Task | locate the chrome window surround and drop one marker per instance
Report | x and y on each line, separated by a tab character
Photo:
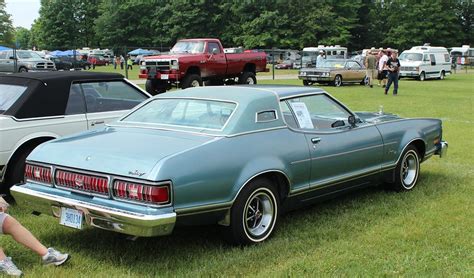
110	180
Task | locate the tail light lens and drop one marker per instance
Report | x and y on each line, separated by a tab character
38	173
152	194
82	182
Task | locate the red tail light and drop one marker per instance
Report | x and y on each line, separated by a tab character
154	194
38	173
82	182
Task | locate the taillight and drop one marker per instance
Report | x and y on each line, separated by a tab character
153	194
38	173
82	182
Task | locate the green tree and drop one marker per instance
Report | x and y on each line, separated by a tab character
6	27
22	37
465	16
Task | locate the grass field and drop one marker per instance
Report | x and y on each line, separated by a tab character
427	232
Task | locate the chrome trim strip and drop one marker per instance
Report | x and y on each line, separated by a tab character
124	125
300	161
255	131
343	153
203	209
334	181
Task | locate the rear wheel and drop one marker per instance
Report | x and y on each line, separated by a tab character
442	75
338	81
247	77
191	80
254	213
307	83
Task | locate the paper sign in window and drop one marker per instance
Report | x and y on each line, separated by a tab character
302	115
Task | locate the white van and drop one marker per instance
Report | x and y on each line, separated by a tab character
423	62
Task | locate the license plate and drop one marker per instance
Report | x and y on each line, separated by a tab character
164	76
71	218
314	79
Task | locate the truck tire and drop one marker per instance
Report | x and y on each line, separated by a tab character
247	77
22	69
153	87
191	80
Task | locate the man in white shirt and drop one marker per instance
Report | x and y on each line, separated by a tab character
320	58
382	69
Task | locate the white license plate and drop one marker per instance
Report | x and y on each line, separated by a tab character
71	218
165	76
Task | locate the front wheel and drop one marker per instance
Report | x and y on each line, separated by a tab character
247	77
191	80
422	76
407	171
23	70
307	83
442	75
338	81
254	213
153	87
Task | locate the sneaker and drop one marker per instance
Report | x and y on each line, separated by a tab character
371	86
55	257
7	266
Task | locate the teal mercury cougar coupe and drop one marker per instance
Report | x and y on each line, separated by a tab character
236	156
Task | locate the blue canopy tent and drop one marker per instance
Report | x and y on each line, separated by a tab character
56	53
140	51
4	48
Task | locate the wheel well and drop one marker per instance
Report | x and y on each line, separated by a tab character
194	70
280	180
250	68
32	143
420	148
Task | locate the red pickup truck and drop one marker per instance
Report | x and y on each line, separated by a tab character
192	61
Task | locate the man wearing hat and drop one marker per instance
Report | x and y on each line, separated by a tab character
320	58
371	65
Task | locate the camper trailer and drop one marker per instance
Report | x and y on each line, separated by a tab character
463	55
310	54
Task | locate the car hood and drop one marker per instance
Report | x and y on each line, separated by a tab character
33	60
377	117
122	151
317	69
172	56
406	63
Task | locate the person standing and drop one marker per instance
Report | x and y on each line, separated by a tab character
382	67
10	226
393	67
320	59
371	66
122	62
129	63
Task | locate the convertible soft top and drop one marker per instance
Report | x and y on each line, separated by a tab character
47	93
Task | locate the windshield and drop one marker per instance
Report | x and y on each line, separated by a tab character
192	113
27	55
188	47
411	57
9	95
331	64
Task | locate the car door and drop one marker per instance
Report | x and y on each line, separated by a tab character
106	101
3	61
216	64
341	155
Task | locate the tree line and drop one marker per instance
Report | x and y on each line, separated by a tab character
294	24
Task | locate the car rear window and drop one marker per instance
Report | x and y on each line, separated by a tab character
182	112
9	94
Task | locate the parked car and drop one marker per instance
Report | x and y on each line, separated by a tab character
38	107
26	60
423	62
335	72
287	64
99	60
193	61
61	64
237	156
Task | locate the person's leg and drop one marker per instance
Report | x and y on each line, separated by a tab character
2	255
389	83
395	83
21	235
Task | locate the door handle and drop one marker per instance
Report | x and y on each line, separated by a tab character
315	140
97	123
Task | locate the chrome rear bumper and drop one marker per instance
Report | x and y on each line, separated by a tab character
442	149
107	218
